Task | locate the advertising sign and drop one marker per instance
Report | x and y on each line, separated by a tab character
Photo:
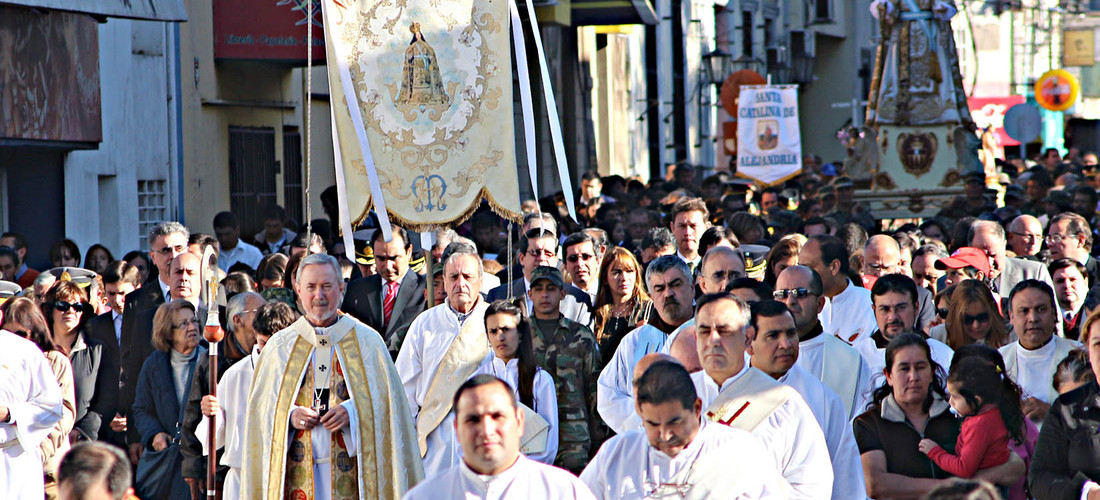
266	30
990	112
1056	90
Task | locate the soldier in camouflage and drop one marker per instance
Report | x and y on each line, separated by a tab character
569	352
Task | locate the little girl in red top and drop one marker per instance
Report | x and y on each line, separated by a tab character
990	404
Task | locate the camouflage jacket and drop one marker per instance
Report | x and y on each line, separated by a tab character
572	357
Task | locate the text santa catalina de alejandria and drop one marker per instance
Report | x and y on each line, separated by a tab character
767	160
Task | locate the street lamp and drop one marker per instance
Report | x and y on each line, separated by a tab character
717	65
750	63
803	67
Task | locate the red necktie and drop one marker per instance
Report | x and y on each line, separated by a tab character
387	304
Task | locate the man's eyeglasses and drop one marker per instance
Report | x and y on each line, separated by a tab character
580	256
1027	237
880	267
1054	239
534	252
63	306
797	293
171	250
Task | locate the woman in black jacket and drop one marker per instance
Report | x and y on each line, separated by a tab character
1066	464
95	372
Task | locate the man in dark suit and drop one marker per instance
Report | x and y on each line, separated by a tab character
166	241
540	248
119	280
1069	236
389	300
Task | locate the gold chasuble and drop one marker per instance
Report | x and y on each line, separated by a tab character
278	459
749	401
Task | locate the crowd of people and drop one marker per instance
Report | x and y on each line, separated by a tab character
682	340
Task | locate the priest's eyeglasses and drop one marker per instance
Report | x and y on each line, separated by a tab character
666	490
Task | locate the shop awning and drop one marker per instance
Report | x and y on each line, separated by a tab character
611	12
151	10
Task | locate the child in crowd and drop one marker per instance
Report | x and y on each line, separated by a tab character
990	404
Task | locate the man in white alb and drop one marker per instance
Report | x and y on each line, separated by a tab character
677	454
826	357
489	424
1032	360
774	348
847	311
30	404
738	395
669	281
443	348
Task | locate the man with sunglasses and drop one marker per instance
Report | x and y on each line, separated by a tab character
582	262
166	240
835	363
539	247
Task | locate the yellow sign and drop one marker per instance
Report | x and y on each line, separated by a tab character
1056	90
1079	48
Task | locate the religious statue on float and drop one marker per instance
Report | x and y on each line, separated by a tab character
917	103
421	83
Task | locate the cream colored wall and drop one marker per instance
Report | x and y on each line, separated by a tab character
244	94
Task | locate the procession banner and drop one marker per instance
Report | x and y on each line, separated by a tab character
422	105
769	144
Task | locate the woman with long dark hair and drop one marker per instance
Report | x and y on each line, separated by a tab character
909	406
512	359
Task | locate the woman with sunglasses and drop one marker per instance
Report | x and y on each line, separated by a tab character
95	371
974	317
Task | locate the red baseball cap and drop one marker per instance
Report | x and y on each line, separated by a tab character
965	257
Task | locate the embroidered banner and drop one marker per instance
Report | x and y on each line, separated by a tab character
422	100
769	143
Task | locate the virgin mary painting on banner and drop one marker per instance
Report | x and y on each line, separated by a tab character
917	104
422	96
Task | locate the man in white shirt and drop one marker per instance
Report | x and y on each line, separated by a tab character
669	281
690	218
677	454
774	349
489	424
443	348
831	360
847	312
233	249
30	404
1032	360
736	394
895	309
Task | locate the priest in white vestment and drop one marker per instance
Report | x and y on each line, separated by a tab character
774	348
738	395
443	347
489	424
1032	360
831	360
847	312
30	404
669	282
677	454
321	422
230	407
